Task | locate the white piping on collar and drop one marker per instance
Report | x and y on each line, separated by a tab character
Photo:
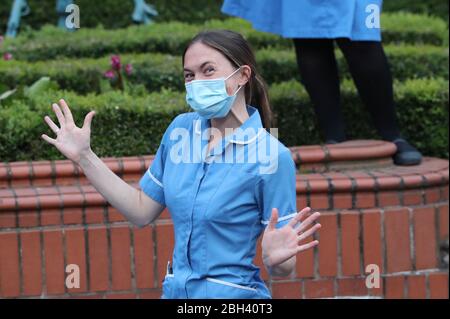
250	140
198	131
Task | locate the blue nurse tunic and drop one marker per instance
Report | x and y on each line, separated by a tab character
219	203
311	18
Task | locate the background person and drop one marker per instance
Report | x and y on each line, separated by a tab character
314	26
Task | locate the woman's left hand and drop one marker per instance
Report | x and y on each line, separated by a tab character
278	245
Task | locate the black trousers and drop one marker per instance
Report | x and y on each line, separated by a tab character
370	71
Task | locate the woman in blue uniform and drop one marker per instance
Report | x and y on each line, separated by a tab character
314	26
223	177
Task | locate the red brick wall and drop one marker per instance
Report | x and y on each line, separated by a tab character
50	217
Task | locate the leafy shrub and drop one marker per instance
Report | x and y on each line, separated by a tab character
127	125
172	37
162	70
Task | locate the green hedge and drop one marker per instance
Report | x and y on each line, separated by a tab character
159	70
406	62
422	108
114	13
127	125
437	8
117	13
172	37
414	28
134	123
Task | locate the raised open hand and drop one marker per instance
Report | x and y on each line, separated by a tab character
278	245
71	140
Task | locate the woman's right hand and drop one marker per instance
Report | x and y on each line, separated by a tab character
71	140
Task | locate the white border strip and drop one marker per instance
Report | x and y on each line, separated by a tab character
266	222
249	141
226	283
260	131
154	179
197	123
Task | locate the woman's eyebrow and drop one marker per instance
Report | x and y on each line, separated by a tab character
201	66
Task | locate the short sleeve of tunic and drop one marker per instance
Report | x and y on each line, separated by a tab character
151	182
277	189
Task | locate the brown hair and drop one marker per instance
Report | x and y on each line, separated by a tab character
238	51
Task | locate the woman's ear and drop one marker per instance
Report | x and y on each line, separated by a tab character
246	73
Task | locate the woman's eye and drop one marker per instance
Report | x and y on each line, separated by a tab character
188	76
209	70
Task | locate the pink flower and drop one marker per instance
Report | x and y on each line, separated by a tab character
109	74
7	56
129	69
115	62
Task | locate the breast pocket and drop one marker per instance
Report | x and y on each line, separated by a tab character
233	196
220	289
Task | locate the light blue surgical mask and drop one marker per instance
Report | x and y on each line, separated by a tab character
209	98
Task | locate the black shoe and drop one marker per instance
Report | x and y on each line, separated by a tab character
406	153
